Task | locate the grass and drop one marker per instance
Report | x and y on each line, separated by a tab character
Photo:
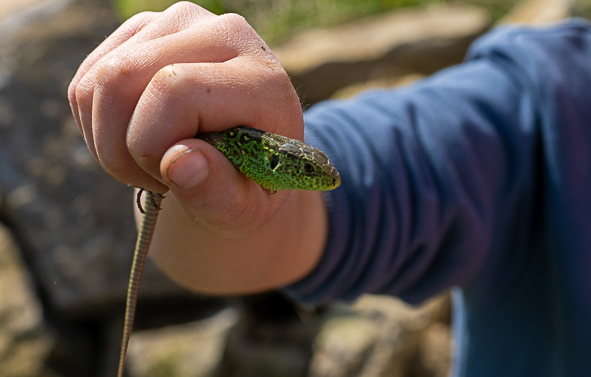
276	20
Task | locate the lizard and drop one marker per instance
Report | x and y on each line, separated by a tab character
273	161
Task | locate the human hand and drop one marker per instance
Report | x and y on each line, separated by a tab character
143	94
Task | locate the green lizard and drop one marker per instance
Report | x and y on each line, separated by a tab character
273	161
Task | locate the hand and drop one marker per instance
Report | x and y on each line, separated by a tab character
161	78
140	98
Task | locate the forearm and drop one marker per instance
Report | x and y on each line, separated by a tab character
431	175
282	251
442	180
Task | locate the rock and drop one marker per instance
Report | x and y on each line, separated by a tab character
538	12
25	341
188	350
322	61
343	345
381	336
376	337
433	356
352	90
12	8
272	337
72	220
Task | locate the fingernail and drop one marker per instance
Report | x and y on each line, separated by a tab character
188	169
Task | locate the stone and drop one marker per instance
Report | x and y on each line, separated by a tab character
423	41
434	355
344	345
385	83
272	337
538	12
25	341
188	350
380	336
73	221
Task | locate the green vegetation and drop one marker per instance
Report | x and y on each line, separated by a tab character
276	20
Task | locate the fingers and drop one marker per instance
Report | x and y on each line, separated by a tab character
141	97
214	193
183	99
120	83
130	28
140	28
107	95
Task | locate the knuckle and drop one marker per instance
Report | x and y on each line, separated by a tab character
138	20
186	8
72	92
81	93
113	73
235	18
238	33
165	73
235	23
165	80
136	23
182	6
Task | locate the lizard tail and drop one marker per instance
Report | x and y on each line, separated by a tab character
152	206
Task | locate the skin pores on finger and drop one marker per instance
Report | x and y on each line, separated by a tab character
222	200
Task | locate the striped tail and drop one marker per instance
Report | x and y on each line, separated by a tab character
152	206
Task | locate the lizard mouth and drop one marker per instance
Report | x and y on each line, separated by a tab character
336	178
336	182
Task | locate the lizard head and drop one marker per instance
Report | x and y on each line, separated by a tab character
304	167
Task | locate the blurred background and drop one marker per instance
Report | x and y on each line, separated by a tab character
67	232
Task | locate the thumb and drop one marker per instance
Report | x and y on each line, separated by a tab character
214	193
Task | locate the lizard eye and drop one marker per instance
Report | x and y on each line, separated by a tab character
308	168
274	162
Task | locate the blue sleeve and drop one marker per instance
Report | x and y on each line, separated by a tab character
440	180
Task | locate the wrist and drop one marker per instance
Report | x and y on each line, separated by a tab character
279	253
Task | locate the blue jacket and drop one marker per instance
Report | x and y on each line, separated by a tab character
478	178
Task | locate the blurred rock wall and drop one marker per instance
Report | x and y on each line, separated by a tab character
72	223
67	232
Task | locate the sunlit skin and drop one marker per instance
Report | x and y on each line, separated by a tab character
141	97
